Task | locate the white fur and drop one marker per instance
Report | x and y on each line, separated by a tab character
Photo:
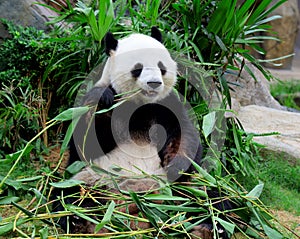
129	164
130	159
138	48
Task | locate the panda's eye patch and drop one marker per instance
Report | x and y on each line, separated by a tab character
137	70
162	68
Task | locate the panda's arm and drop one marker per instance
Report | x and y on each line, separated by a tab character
182	142
103	96
92	136
180	149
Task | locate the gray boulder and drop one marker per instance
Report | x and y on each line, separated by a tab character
26	13
264	120
260	113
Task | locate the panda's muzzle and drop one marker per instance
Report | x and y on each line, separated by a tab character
154	84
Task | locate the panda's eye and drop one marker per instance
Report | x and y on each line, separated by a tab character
137	70
162	68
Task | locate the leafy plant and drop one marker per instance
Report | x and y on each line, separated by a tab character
19	117
34	72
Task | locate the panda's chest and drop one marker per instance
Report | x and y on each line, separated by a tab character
131	159
144	124
139	136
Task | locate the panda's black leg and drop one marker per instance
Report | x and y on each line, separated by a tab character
65	222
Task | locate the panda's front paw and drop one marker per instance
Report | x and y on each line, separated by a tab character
206	231
203	231
104	97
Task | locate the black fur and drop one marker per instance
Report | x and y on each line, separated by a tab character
156	34
110	43
137	70
101	130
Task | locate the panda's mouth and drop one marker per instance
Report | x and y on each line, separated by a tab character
150	93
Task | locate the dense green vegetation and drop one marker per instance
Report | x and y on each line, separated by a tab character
46	73
287	93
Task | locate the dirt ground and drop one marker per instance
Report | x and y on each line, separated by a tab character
289	220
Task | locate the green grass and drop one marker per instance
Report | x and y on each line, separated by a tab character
280	174
284	91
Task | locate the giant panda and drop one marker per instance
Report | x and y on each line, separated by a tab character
141	130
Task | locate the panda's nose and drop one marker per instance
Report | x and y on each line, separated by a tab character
154	84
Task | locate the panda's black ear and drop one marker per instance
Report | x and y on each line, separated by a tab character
156	34
111	43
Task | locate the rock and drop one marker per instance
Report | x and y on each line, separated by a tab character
287	28
29	13
26	13
264	120
260	113
249	91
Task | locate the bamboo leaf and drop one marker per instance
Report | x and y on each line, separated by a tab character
111	108
256	191
8	200
164	197
271	233
227	225
76	210
68	135
12	183
107	216
9	226
38	195
204	173
75	167
176	208
67	183
194	191
9	158
209	122
44	232
71	113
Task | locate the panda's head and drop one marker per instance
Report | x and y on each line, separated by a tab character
139	65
